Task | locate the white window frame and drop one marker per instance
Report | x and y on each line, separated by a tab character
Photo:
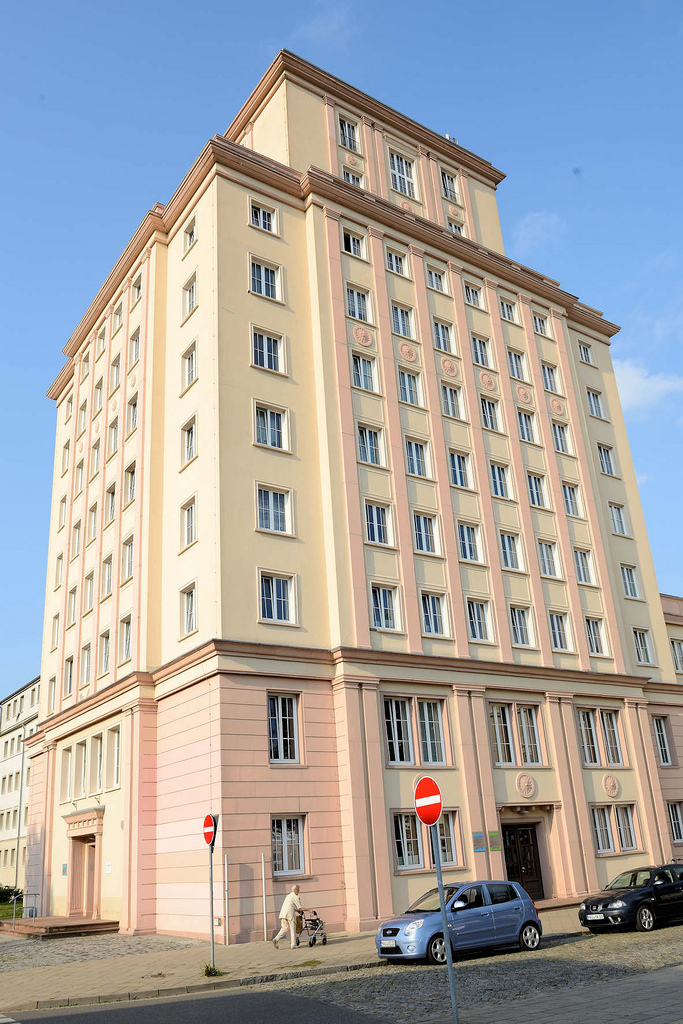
358	304
451	400
286	869
376	525
643	646
362	440
189	366
272	431
401	171
356	244
507	549
442	335
602	829
478	613
188	610
270	349
263	217
434	614
291	598
660	725
188	523
398	730
674	808
267	515
402	821
418	457
460	471
381	623
257	277
280	741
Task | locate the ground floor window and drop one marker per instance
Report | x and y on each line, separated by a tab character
676	819
287	839
408	841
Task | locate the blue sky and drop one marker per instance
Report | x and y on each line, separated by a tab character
104	107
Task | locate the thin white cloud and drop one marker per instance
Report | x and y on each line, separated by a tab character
331	26
641	390
538	231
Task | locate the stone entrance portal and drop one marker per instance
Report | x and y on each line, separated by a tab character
84	864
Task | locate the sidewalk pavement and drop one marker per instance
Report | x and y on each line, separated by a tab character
655	998
176	971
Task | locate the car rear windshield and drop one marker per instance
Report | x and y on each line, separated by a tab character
430	900
631	879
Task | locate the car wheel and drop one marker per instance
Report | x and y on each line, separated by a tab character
645	918
436	950
529	937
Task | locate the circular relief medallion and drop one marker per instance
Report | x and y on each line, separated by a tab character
351	160
113	405
556	406
80	447
487	381
610	784
362	336
97	427
526	785
452	210
133	381
523	394
406	206
407	351
449	367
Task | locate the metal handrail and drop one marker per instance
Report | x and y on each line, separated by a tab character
14	901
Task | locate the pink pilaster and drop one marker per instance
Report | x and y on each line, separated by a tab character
571	847
651	804
369	153
577	792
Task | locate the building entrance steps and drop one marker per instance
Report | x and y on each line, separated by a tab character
57	927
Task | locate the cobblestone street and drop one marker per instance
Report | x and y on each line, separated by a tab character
20	954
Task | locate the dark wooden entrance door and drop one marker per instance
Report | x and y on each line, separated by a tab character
521	858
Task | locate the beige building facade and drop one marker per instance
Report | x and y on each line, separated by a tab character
342	495
18	721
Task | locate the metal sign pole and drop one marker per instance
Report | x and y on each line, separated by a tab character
227	918
436	847
213	951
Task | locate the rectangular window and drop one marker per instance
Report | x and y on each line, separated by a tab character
134	347
113	758
71	607
401	321
51	695
68	677
480	351
473	295
546	558
507	310
353	179
78	479
447	833
662	739
499	480
267	351
66	452
595	403
450	398
95	459
570	494
456	228
602	830
677	654
357	304
353	244
85	665
55	630
269	427
61	515
549	374
125	633
435	280
449	188
625	828
118	317
364	375
348	134
527	721
429	713
110	504
642	642
433	614
101	338
190	365
460	469
477	620
65	783
519	621
527	426
97	396
618	519
277	598
583	566
509	545
106	576
536	490
416	458
283	740
272	511
610	733
127	560
540	324
489	413
501	734
561	438
113	437
262	217
409	387
516	364
287	845
132	414
589	743
129	484
606	460
425	532
402	174
442	336
396	262
81	772
594	636
376	523
88	591
190	234
265	280
468	542
82	417
558	631
104	653
407	840
629	580
384	607
676	820
398	731
369	449
585	353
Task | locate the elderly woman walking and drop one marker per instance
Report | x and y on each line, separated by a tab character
291	906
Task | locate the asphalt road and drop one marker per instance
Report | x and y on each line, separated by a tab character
226	1008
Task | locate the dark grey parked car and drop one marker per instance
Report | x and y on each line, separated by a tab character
639	897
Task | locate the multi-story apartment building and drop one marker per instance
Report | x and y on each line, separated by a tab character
342	495
18	721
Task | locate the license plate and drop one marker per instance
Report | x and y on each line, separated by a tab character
388	944
595	917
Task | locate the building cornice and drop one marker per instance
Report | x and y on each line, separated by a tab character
288	66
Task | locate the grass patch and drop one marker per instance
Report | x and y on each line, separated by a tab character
310	963
7	910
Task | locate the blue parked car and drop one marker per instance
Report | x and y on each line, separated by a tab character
479	914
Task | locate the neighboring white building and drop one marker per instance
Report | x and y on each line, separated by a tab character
18	719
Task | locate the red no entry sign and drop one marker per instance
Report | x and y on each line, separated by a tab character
210	825
428	801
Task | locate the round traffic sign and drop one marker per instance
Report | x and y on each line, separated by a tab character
210	829
428	800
